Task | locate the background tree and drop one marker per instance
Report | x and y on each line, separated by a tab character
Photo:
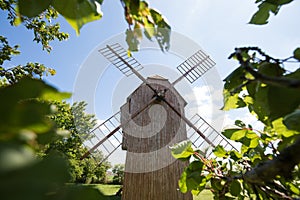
74	120
118	171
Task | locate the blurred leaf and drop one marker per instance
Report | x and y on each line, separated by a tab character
36	181
297	54
219	151
54	95
235	134
191	178
251	143
235	155
14	157
216	184
294	188
260	104
28	88
282	101
163	30
149	30
235	79
270	69
292	121
163	38
235	188
22	100
280	128
266	6
262	15
182	150
232	101
32	8
239	123
78	13
132	40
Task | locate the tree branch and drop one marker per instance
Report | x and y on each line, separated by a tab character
281	165
272	80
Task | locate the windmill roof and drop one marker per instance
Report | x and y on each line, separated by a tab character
157	77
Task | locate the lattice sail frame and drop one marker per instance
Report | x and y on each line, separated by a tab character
114	142
111	144
118	56
212	135
195	66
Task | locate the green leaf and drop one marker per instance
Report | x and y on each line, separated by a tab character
262	15
32	8
235	155
239	123
132	39
294	188
191	178
270	69
133	5
297	54
292	121
28	88
36	181
282	2
232	101
217	184
182	150
280	128
235	134
78	13
260	104
251	143
22	100
282	101
149	30
235	188
219	151
235	79
15	156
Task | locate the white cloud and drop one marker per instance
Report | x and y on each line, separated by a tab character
243	115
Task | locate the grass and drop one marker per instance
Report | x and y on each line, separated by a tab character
110	191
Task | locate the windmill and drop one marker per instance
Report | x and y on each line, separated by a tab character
151	120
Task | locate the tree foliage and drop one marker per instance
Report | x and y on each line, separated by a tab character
44	30
266	7
73	121
139	16
118	171
267	164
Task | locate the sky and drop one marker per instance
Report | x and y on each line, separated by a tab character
217	26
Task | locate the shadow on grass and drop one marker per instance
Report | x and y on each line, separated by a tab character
109	191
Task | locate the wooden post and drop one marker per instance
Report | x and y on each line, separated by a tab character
151	173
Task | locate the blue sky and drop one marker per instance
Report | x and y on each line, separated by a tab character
218	26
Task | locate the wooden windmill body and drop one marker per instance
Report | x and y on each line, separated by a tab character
152	120
150	170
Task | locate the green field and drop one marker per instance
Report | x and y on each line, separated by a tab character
110	191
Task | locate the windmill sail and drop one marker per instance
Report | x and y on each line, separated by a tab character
212	135
110	142
118	56
194	67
